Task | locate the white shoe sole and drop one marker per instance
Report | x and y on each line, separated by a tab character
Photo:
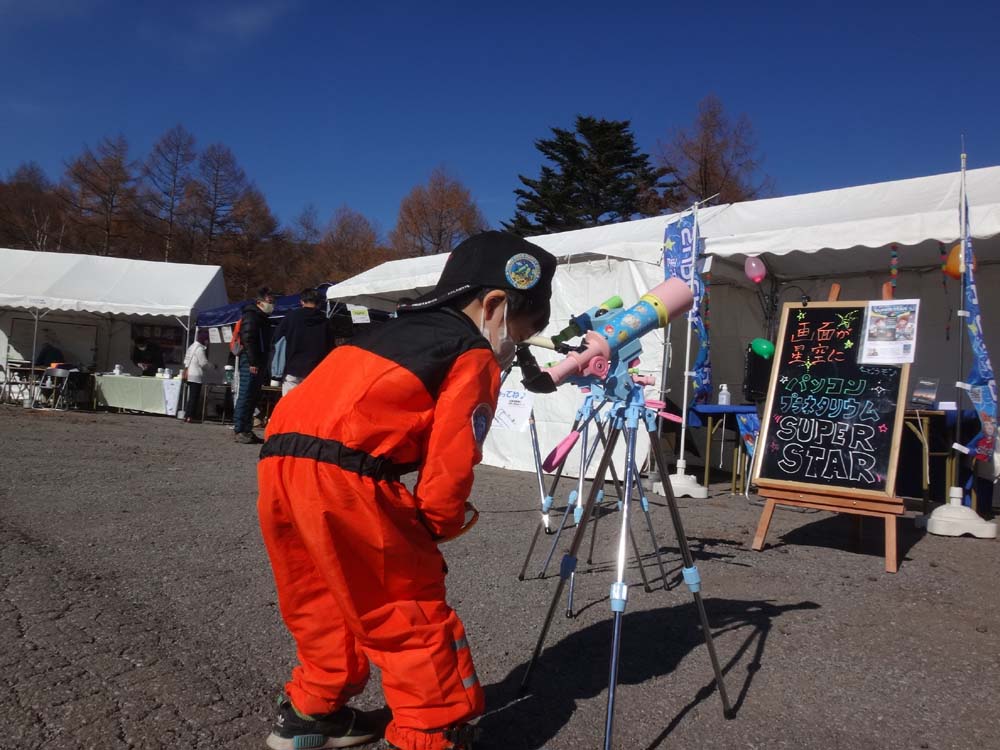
276	742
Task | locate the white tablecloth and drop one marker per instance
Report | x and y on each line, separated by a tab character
153	395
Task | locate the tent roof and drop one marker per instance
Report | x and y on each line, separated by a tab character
114	286
915	213
384	285
906	212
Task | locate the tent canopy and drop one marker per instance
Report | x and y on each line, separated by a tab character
383	286
789	231
113	286
918	213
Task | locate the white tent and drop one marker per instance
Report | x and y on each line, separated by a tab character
807	241
85	304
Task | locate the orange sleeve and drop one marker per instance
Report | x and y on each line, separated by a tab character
463	414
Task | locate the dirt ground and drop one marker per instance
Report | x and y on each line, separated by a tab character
137	611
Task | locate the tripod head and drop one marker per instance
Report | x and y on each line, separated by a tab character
611	342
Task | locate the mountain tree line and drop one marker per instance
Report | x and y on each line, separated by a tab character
180	203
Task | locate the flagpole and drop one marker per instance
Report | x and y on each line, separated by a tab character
962	312
681	482
955	518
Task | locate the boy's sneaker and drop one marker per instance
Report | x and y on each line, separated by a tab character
248	438
345	727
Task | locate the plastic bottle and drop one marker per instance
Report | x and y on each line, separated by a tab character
723	395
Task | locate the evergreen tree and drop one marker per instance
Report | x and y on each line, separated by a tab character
596	175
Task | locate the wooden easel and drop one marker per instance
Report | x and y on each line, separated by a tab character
835	500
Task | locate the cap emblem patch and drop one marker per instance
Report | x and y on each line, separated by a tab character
523	271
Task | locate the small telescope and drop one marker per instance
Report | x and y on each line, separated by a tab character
609	332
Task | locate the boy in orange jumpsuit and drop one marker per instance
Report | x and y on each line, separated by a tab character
355	554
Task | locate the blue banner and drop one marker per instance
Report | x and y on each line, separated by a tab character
749	425
679	261
983	390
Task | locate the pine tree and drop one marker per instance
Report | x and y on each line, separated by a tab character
596	175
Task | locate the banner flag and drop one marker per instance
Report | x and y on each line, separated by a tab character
982	380
679	261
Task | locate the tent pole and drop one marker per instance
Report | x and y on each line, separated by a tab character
962	312
31	364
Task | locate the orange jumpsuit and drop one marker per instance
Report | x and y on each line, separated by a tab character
354	553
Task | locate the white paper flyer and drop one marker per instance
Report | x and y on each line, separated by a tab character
889	336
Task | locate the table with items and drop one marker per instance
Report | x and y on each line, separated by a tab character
145	394
712	417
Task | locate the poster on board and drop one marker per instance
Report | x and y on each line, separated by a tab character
889	335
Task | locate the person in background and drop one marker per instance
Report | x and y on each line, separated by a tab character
195	364
49	352
147	356
255	339
309	337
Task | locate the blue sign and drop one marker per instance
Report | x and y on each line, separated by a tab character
680	261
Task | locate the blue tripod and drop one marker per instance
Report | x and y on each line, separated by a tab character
629	411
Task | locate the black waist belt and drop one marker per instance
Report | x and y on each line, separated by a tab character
297	445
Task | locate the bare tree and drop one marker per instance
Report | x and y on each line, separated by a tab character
98	188
213	194
349	246
306	227
433	218
167	173
716	156
252	229
31	215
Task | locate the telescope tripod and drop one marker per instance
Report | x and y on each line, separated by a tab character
627	416
575	503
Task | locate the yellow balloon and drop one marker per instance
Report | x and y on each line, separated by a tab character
953	266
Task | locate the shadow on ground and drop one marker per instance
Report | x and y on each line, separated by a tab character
842	532
653	644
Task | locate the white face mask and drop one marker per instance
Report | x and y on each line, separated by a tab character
267	307
505	349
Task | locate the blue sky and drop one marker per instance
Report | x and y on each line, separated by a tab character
336	103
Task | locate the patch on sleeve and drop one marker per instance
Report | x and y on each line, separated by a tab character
482	417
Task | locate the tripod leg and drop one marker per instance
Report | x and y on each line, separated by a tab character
638	558
644	502
691	576
624	497
602	440
576	496
619	590
546	504
570	502
569	560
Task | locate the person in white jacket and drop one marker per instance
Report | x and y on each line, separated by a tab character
196	363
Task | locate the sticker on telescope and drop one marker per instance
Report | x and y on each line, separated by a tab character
630	321
482	417
523	271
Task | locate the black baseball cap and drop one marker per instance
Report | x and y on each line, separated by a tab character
491	260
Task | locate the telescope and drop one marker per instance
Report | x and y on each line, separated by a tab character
610	334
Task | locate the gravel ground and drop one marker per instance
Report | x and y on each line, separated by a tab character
137	611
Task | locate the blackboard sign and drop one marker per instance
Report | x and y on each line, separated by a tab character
830	426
